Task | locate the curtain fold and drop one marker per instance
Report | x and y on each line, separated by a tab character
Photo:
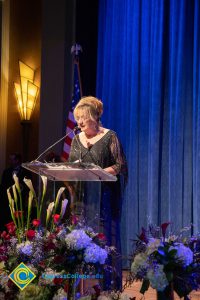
148	77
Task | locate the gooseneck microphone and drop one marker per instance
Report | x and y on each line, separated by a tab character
75	130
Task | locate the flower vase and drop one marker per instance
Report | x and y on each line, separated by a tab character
71	294
167	294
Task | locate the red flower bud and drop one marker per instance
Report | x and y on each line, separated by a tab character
56	218
101	236
36	222
164	228
18	214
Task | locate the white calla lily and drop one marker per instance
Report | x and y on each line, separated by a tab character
44	181
16	180
63	208
49	211
60	191
29	184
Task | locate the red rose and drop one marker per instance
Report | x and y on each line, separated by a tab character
50	246
56	218
5	235
18	213
36	222
101	236
10	226
57	281
30	234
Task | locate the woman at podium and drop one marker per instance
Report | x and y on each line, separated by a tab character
102	200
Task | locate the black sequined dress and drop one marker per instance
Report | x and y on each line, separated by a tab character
103	200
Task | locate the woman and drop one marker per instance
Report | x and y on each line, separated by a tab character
100	146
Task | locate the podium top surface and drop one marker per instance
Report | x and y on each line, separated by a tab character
75	171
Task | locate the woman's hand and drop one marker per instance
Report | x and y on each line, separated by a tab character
110	170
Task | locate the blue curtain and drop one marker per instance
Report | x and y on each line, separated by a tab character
148	76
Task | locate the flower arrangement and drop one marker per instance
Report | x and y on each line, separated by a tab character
166	264
55	252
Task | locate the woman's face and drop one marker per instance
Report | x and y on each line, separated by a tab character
84	121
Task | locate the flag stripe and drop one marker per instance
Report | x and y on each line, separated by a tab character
71	123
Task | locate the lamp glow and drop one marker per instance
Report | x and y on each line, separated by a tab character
26	92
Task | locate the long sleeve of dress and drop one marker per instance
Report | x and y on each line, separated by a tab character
116	149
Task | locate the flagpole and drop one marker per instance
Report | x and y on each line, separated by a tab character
77	94
76	49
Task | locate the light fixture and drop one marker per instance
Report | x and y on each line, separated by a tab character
26	92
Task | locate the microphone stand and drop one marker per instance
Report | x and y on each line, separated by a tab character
58	141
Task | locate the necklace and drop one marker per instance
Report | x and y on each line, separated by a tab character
91	136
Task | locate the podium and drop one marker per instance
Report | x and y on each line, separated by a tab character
83	182
76	171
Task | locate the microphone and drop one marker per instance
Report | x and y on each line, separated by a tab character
75	130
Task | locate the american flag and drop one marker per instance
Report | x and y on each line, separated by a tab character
71	123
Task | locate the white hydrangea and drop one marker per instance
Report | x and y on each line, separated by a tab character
4	281
32	268
61	234
157	278
93	254
78	239
183	253
153	245
60	295
171	238
25	248
139	263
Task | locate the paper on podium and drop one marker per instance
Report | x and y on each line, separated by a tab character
76	171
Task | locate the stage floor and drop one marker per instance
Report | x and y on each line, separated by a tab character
133	291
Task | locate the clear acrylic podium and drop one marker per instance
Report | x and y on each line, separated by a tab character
76	171
83	181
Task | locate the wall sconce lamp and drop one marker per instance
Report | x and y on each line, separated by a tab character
26	92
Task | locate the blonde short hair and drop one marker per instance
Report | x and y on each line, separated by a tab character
91	106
